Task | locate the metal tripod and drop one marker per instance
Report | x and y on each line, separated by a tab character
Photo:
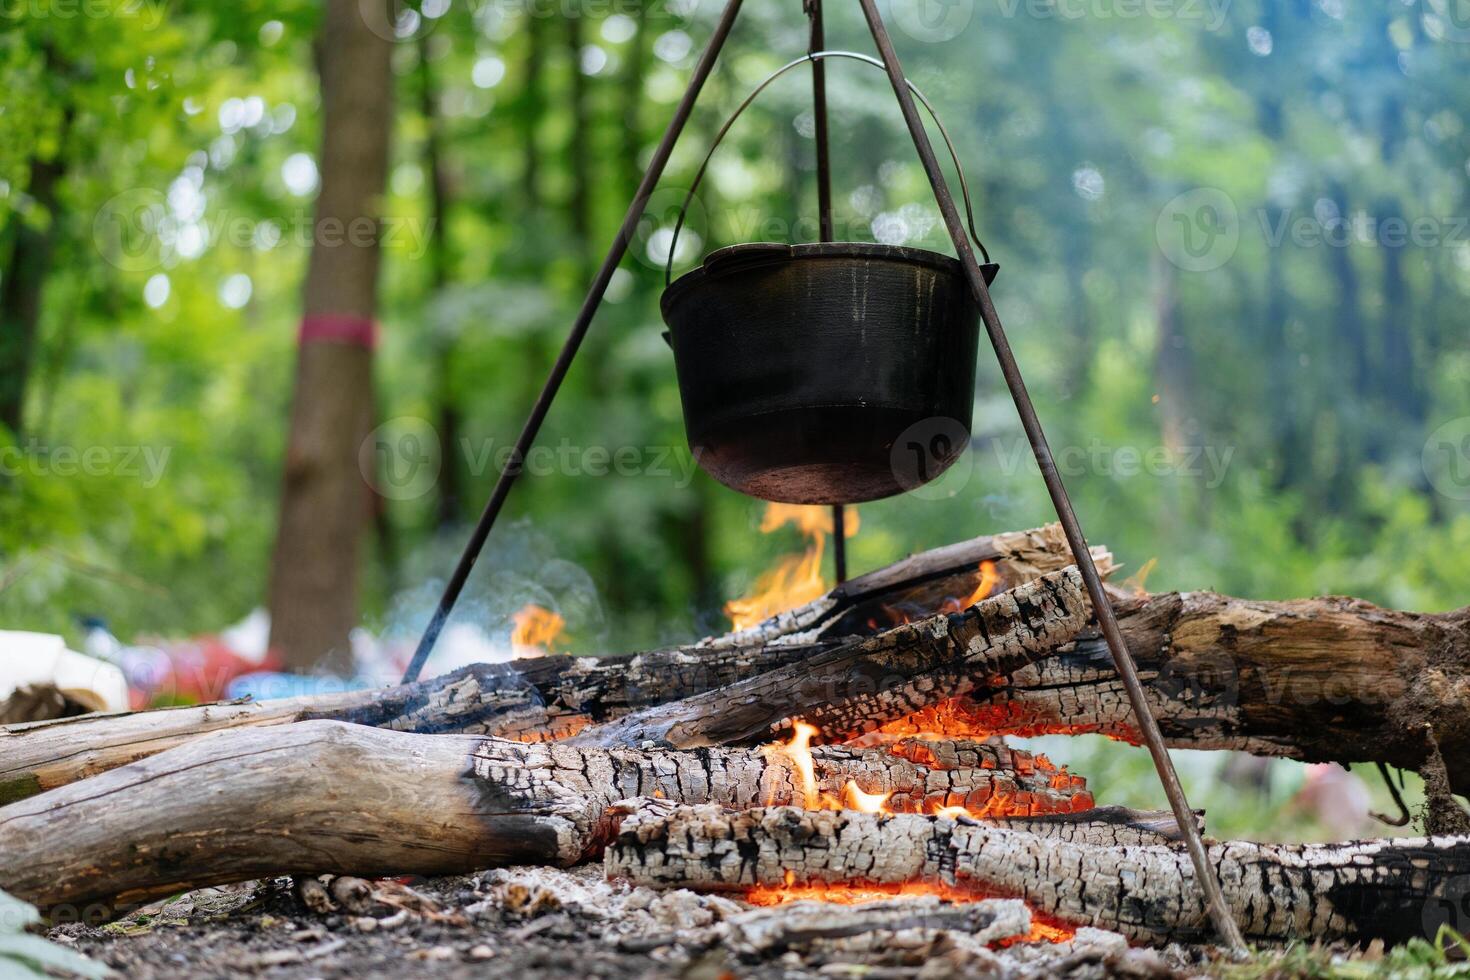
1122	659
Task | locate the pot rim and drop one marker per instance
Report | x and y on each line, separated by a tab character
761	253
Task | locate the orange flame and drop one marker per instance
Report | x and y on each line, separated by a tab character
797	750
794	579
534	630
988	578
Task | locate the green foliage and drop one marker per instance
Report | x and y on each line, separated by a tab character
23	955
1418	959
1313	373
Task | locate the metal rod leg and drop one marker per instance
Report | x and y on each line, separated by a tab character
1224	923
839	541
818	42
573	342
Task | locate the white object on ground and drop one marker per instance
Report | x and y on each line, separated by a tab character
42	658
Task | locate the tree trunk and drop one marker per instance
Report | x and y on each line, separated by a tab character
1354	891
324	502
24	278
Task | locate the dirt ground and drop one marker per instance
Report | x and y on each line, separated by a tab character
531	924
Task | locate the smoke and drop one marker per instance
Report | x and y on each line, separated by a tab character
518	568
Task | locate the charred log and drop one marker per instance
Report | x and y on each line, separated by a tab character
1355	891
1321	680
862	684
916	587
327	797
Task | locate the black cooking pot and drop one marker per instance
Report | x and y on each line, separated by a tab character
829	373
823	374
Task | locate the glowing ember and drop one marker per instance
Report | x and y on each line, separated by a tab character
535	628
795	579
797	751
908	611
854	894
963	718
1042	930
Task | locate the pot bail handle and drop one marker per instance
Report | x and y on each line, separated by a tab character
765	83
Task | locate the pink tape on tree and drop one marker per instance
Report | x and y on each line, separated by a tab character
338	328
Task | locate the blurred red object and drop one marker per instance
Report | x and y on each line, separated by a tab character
188	672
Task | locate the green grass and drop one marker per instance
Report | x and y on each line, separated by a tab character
1417	959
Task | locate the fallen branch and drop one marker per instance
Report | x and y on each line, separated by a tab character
1354	891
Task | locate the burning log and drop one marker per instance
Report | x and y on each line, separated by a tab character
541	697
1354	891
1321	680
327	797
917	586
858	686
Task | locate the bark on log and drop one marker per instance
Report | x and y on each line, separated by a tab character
532	699
537	698
1321	680
860	685
328	797
1393	890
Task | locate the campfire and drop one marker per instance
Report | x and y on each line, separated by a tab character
795	579
535	628
845	781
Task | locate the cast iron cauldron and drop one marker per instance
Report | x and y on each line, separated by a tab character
804	369
824	374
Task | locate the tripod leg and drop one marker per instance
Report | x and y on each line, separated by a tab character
573	342
1122	658
818	42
